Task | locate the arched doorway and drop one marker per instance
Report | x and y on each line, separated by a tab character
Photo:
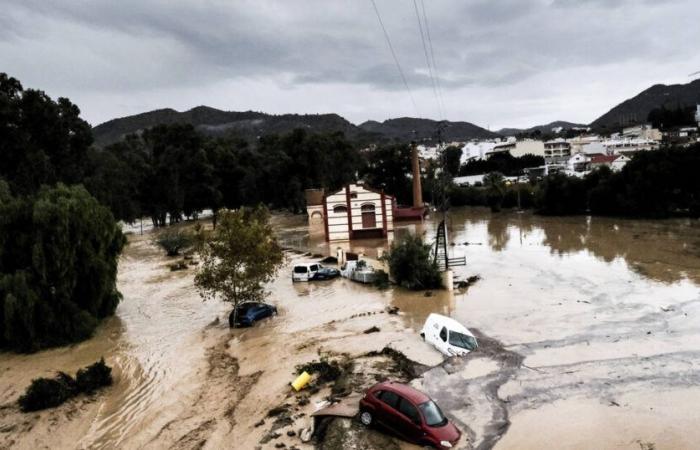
369	218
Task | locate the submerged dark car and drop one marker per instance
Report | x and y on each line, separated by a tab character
246	314
409	413
326	273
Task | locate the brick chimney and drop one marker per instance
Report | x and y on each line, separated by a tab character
417	189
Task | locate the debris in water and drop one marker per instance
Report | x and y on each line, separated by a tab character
329	260
301	381
276	411
371	330
393	310
462	284
180	265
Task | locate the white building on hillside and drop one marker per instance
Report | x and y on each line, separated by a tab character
645	131
580	162
628	146
557	151
528	147
477	150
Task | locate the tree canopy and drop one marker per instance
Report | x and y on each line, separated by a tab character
239	257
41	141
411	265
58	266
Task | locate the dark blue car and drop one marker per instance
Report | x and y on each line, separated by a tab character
246	314
326	273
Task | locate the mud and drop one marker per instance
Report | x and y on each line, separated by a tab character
588	332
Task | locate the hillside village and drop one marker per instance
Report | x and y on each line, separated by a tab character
575	156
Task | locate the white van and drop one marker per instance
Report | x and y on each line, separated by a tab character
305	272
450	337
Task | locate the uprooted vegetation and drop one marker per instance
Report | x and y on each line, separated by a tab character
334	371
45	393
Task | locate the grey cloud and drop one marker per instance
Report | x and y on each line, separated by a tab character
132	46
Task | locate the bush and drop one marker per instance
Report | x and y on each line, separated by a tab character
559	194
411	264
48	392
93	377
45	393
381	279
174	241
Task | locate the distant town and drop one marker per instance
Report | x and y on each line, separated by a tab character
577	155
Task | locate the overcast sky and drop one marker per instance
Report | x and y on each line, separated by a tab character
499	63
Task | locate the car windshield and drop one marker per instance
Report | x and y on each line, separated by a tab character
245	307
462	340
432	414
300	269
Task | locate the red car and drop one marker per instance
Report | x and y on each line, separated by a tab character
409	413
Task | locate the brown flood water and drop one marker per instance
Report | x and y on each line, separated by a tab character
591	330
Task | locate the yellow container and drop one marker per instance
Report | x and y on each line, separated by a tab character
301	381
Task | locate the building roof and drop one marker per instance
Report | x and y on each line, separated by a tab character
363	186
601	159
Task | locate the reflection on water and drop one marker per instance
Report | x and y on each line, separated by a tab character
666	251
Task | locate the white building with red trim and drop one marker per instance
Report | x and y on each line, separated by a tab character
357	212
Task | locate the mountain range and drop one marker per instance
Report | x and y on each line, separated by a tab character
636	109
251	124
541	128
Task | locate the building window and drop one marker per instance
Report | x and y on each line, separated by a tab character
340	209
353	195
368	207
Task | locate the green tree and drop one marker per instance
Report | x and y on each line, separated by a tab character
41	141
58	267
239	256
389	167
174	241
559	194
411	264
452	159
495	186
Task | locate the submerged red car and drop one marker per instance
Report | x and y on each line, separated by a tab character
409	413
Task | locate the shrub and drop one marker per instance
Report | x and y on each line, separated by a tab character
93	377
381	279
411	264
48	392
45	393
174	241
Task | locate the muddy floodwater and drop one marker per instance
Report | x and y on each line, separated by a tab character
589	332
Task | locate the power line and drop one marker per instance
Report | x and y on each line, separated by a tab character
427	59
432	58
393	54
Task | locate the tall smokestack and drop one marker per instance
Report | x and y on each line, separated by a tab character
417	190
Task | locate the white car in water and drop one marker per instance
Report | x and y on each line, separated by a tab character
450	337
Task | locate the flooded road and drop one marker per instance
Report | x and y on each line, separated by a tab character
605	314
590	331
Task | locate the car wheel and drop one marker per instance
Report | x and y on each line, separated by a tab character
366	418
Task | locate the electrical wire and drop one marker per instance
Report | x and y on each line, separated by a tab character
427	59
432	59
396	59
